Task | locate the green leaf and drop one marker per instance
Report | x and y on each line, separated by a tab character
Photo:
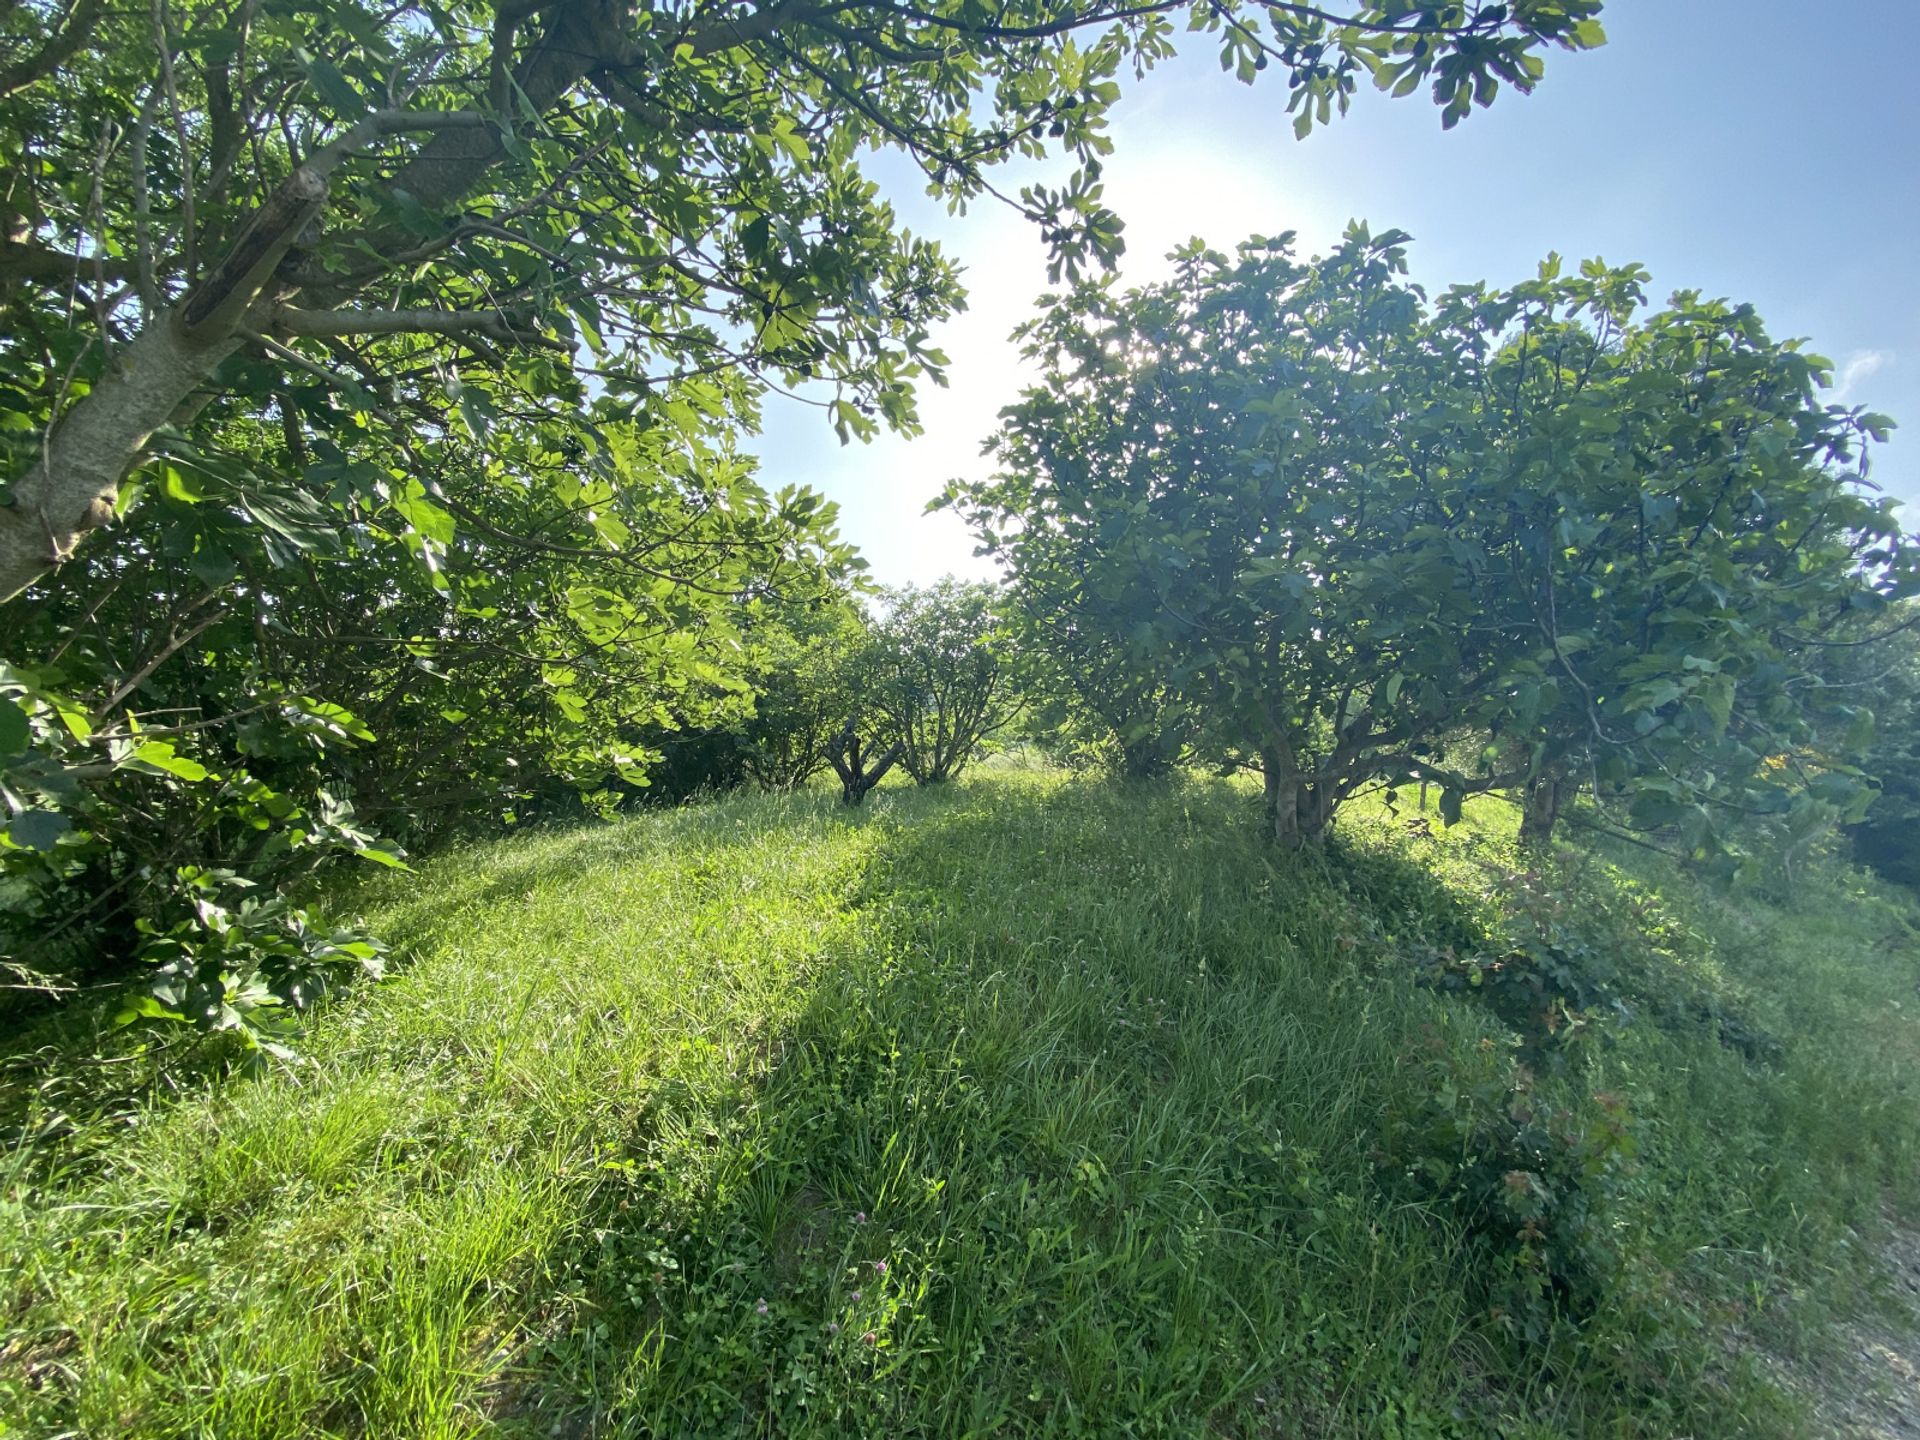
422	515
37	829
160	755
756	237
1835	789
15	730
341	95
336	720
179	485
78	724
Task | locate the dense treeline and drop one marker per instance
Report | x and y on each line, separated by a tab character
558	723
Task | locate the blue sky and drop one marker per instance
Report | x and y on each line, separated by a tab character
1764	150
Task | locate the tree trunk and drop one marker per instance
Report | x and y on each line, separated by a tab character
1539	810
1151	758
1315	802
1282	797
71	486
849	762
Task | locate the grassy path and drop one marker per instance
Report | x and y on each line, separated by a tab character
1022	1107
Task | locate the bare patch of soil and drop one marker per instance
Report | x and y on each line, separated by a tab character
1874	1392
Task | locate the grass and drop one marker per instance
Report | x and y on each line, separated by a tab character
1027	1106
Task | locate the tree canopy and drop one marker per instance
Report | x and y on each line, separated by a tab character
429	218
941	679
1352	527
374	375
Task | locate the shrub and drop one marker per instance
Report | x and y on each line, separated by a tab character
1531	1173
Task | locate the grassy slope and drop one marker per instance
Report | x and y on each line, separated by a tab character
1025	1106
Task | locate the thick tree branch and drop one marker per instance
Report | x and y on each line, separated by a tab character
215	306
382	123
496	325
39	264
60	47
71	486
580	38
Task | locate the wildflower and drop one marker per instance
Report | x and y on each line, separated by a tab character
880	1266
760	1307
872	1337
855	1297
833	1327
859	1217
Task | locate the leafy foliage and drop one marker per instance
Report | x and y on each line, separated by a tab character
939	678
1875	676
1339	522
809	678
446	217
216	694
1215	478
1664	520
1086	706
1533	1178
373	374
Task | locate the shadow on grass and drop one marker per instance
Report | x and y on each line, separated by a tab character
1031	1107
1071	1137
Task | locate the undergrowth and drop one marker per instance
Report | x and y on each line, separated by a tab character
1021	1106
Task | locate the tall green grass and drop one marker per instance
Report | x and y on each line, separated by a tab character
1026	1106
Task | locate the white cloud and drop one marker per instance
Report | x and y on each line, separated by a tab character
1858	366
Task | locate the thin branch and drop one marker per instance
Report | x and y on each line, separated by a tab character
27	260
145	285
175	642
188	228
495	325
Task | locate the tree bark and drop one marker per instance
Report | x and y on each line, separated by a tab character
857	777
1540	809
1298	807
60	47
1281	795
1316	810
71	486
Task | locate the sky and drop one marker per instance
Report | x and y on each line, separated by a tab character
1763	150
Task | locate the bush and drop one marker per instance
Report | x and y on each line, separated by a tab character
810	677
1884	677
1531	1174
